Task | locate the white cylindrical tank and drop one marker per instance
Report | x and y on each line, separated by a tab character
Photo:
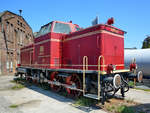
142	57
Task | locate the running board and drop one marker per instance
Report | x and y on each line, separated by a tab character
93	96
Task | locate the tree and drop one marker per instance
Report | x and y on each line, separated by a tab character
146	43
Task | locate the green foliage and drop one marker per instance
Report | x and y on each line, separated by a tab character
144	45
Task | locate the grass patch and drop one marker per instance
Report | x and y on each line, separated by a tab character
13	106
84	102
120	106
12	81
124	109
18	86
111	108
119	109
131	83
143	89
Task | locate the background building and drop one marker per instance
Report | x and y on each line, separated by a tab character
14	34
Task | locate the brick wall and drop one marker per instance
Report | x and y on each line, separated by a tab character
17	34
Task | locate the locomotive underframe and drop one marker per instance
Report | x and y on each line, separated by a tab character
59	79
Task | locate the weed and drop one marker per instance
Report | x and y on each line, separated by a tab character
12	81
111	108
142	112
17	87
124	109
84	102
131	83
13	106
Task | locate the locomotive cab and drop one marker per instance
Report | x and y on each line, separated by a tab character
58	27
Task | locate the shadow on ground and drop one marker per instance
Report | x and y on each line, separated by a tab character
61	98
138	108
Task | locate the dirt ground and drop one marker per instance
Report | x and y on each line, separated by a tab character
33	99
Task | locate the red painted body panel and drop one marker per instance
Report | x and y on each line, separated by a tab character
47	51
56	50
93	42
27	55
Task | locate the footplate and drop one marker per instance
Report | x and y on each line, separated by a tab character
93	96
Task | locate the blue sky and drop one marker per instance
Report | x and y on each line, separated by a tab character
131	16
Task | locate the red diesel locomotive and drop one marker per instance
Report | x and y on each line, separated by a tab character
86	61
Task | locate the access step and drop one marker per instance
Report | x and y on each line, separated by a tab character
93	96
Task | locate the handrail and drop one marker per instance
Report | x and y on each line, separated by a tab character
85	67
134	71
85	62
134	61
99	65
99	72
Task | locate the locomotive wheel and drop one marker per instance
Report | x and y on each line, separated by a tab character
41	76
54	78
75	81
28	78
109	90
125	85
34	80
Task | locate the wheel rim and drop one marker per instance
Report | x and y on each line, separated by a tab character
53	78
73	80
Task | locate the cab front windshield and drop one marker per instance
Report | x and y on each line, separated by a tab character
61	28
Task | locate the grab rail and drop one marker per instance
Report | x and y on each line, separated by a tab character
99	73
85	67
